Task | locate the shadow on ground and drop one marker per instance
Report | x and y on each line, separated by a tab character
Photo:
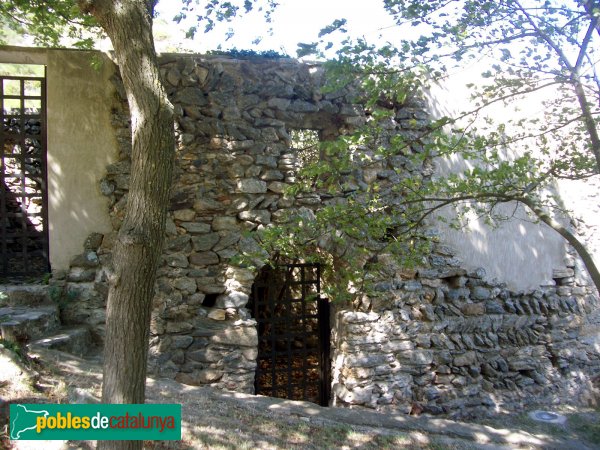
214	419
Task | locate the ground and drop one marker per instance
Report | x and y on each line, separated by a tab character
215	419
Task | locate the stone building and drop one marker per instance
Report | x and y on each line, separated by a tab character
451	337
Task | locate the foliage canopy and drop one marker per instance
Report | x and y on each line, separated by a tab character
538	52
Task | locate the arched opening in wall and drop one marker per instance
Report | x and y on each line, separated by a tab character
293	333
23	189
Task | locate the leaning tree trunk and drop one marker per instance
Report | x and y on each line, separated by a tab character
137	250
579	246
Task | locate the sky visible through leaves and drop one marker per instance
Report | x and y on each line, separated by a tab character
293	21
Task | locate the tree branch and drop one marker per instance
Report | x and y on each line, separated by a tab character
579	247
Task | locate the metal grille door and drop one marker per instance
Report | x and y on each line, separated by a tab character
293	331
23	194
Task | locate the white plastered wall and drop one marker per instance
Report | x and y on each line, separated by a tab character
519	252
81	143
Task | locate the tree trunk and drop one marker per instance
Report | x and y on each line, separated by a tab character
137	250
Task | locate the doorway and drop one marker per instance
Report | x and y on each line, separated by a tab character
293	333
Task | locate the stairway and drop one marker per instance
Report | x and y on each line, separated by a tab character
29	317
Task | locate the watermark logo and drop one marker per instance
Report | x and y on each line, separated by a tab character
95	422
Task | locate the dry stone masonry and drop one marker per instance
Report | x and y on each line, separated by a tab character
440	339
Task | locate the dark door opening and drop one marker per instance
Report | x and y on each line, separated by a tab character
23	192
293	334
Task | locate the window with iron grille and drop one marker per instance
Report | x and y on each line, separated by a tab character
23	193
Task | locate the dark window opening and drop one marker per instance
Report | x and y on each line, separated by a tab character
293	333
210	300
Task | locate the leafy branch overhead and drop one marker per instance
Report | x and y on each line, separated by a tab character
212	12
542	53
50	22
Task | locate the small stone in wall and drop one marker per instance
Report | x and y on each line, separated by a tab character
232	300
181	342
178	326
205	242
356	396
279	103
473	309
260	216
480	293
246	336
196	227
93	241
466	359
208	206
417	357
204	258
170	227
107	187
493	307
271	175
80	275
185	284
207	287
562	273
281	216
201	377
217	314
177	260
250	354
251	186
186	215
178	244
224	223
87	259
226	240
240	274
191	96
278	187
251	172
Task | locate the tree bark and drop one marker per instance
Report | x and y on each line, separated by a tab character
138	248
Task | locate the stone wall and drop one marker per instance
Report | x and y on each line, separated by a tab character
446	341
440	338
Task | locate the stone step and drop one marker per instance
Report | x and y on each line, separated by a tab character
24	323
24	295
75	340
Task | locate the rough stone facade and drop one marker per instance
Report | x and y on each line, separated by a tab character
449	342
439	338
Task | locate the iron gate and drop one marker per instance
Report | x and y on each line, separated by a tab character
293	334
23	197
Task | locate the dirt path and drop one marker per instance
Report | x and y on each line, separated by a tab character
214	419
